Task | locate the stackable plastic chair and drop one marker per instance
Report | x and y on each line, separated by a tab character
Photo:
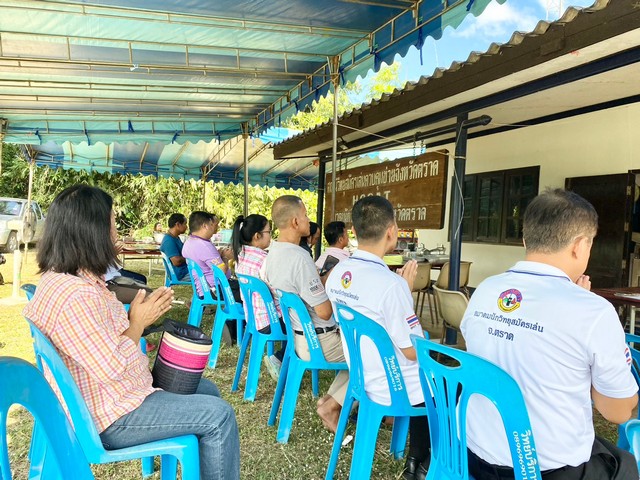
21	383
29	290
355	327
293	367
226	309
199	300
452	306
451	387
633	341
632	432
183	448
443	283
248	286
170	277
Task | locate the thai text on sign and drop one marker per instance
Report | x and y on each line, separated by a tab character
416	186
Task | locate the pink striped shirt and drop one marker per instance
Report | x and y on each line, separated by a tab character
85	323
249	262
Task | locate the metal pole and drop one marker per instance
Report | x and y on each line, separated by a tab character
322	168
245	136
334	150
455	225
204	189
2	124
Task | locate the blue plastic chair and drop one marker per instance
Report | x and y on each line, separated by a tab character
199	300
183	448
355	327
451	387
248	286
21	383
29	290
226	309
623	441
170	277
632	432
293	367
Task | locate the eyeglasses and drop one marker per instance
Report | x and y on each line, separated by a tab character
266	231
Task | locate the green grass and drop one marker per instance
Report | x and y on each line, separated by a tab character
304	457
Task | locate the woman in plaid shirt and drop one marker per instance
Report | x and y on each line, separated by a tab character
98	340
250	239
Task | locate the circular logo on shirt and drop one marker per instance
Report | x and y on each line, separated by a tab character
346	279
509	300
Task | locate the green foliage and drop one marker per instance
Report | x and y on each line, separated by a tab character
141	201
351	96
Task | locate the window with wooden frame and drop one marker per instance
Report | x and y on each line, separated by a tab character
494	203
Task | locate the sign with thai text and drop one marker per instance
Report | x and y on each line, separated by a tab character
415	186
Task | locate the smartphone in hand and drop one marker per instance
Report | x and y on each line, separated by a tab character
329	263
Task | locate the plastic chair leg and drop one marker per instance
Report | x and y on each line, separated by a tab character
169	467
277	396
37	453
291	391
240	330
270	348
243	353
365	443
343	420
315	382
216	338
195	312
399	436
147	466
253	371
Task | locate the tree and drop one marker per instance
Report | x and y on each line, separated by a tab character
351	96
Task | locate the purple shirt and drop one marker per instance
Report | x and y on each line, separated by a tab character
204	253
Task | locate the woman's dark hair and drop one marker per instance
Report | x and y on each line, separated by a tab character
313	228
77	233
244	229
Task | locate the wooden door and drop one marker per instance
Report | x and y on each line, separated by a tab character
612	197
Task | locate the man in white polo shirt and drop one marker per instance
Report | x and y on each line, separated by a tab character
364	283
563	345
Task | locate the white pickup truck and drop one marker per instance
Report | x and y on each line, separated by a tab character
17	225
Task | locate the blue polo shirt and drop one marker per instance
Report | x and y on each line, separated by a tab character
172	247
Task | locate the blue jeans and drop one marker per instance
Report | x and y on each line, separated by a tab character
204	414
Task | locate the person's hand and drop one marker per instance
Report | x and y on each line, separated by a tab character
584	281
408	272
226	253
146	309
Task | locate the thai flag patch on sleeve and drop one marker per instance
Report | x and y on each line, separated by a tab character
627	355
413	321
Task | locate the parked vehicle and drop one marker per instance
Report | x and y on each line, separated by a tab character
17	225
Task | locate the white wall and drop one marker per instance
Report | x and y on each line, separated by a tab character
598	143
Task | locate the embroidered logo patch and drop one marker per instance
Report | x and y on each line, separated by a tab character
413	321
509	300
346	279
627	356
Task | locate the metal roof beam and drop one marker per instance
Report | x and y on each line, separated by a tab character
76	40
152	68
185	19
134	87
216	157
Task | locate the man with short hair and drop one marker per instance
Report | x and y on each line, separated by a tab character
335	233
365	283
563	345
289	267
198	247
171	245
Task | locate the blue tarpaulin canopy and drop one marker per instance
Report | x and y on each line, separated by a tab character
131	82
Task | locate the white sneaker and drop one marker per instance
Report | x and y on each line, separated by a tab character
273	366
